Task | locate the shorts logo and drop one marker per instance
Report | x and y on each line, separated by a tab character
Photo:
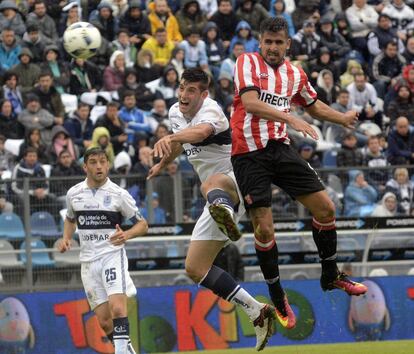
248	199
107	200
81	219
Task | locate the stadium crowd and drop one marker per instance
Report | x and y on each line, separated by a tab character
358	55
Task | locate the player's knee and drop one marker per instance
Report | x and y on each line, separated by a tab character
264	232
106	324
326	212
118	310
193	273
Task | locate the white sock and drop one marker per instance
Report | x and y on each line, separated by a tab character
249	304
130	348
121	345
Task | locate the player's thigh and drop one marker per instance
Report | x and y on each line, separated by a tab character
220	181
92	283
319	204
262	220
200	257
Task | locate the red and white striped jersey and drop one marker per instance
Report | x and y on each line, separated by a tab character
278	87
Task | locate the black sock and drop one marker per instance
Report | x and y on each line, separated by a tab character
111	337
121	333
267	255
219	196
324	235
220	283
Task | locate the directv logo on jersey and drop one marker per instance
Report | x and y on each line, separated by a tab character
274	100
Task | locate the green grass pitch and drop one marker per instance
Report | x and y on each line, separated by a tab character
389	347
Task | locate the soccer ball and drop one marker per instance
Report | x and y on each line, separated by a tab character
82	40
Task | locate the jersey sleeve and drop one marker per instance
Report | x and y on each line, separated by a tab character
212	114
306	95
245	75
174	118
129	209
70	214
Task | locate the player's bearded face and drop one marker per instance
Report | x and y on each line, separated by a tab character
273	46
190	98
97	168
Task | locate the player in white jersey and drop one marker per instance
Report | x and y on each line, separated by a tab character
97	206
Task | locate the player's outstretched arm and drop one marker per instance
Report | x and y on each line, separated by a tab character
253	105
119	237
69	227
322	111
176	150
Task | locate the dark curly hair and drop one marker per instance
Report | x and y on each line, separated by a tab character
274	24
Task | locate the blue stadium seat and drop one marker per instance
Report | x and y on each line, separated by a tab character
11	227
43	224
39	259
329	158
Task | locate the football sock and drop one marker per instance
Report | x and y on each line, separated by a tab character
121	335
324	235
223	285
111	337
267	255
219	196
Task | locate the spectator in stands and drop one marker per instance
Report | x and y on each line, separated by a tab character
409	51
363	99
254	14
33	139
225	19
34	40
160	132
382	35
402	105
116	127
224	89
105	17
9	125
27	72
137	23
162	185
10	17
60	70
214	47
326	88
323	62
387	207
306	43
230	260
123	44
101	138
349	155
160	16
375	158
103	54
122	166
195	54
190	16
337	45
34	116
68	17
39	17
61	140
342	26
6	158
167	85
50	97
278	8
353	67
80	127
9	50
305	9
160	113
144	163
227	66
403	189
401	15
406	78
401	143
359	196
244	35
66	167
85	76
12	92
159	214
145	67
307	152
177	60
5	206
362	19
160	46
114	73
38	189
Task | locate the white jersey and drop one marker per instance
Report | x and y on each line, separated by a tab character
97	212
212	155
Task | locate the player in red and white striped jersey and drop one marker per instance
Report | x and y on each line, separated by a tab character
266	84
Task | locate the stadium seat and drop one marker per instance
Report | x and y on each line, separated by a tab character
70	102
329	158
8	259
43	224
70	257
48	170
39	259
322	144
335	183
378	272
13	146
11	227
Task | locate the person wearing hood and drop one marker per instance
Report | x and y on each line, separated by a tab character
160	46
45	23
137	23
253	13
324	61
190	16
244	35
145	67
102	139
59	69
167	85
36	42
278	8
85	76
80	127
159	213
195	54
122	167
401	186
401	15
402	105
307	152
359	196
34	140
10	17
9	49
12	92
332	39
123	44
401	143
407	78
353	67
225	19
160	16
229	63
10	127
114	73
27	72
349	155
326	88
224	89
61	140
306	43
387	207
108	22
342	26
214	47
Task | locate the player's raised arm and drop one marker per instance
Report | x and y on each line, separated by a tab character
176	150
